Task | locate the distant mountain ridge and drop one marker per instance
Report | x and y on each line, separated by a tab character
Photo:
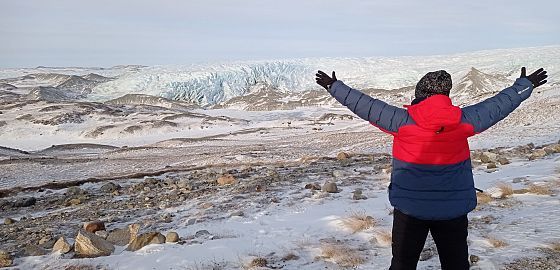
283	84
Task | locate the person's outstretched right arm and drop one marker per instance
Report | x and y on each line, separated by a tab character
380	114
487	113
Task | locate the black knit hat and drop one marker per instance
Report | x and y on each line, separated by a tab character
434	83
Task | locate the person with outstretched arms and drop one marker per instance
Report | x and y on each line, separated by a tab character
432	186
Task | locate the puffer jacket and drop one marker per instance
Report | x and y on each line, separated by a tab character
432	175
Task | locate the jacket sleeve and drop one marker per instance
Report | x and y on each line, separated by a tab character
487	113
380	114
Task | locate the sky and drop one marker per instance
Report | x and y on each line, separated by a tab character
113	32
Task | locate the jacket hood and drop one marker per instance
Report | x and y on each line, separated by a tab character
435	113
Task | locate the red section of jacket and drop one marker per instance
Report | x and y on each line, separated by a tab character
437	138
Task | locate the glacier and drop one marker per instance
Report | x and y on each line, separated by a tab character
209	84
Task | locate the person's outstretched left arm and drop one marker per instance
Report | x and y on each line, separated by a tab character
380	114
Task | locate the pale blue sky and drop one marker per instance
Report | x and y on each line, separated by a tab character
112	32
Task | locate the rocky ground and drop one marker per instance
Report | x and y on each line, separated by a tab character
92	219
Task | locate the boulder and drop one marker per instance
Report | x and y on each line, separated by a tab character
94	226
6	259
330	187
503	161
357	195
226	179
313	186
488	157
25	202
491	165
342	156
537	153
202	234
89	245
146	239
9	221
109	187
74	191
33	250
474	259
555	147
172	237
62	246
123	236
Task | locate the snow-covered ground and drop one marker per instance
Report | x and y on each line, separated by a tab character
269	124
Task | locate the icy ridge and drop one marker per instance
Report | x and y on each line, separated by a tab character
215	83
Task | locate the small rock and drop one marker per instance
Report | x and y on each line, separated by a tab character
109	187
503	161
474	259
330	187
5	259
62	246
9	221
237	214
191	221
94	226
342	156
313	186
226	179
146	239
357	195
202	233
491	165
102	233
172	237
25	202
89	245
166	218
518	180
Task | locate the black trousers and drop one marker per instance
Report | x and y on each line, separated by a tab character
409	236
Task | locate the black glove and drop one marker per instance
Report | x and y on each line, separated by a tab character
537	78
324	80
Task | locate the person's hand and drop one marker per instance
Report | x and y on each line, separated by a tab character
537	78
324	80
